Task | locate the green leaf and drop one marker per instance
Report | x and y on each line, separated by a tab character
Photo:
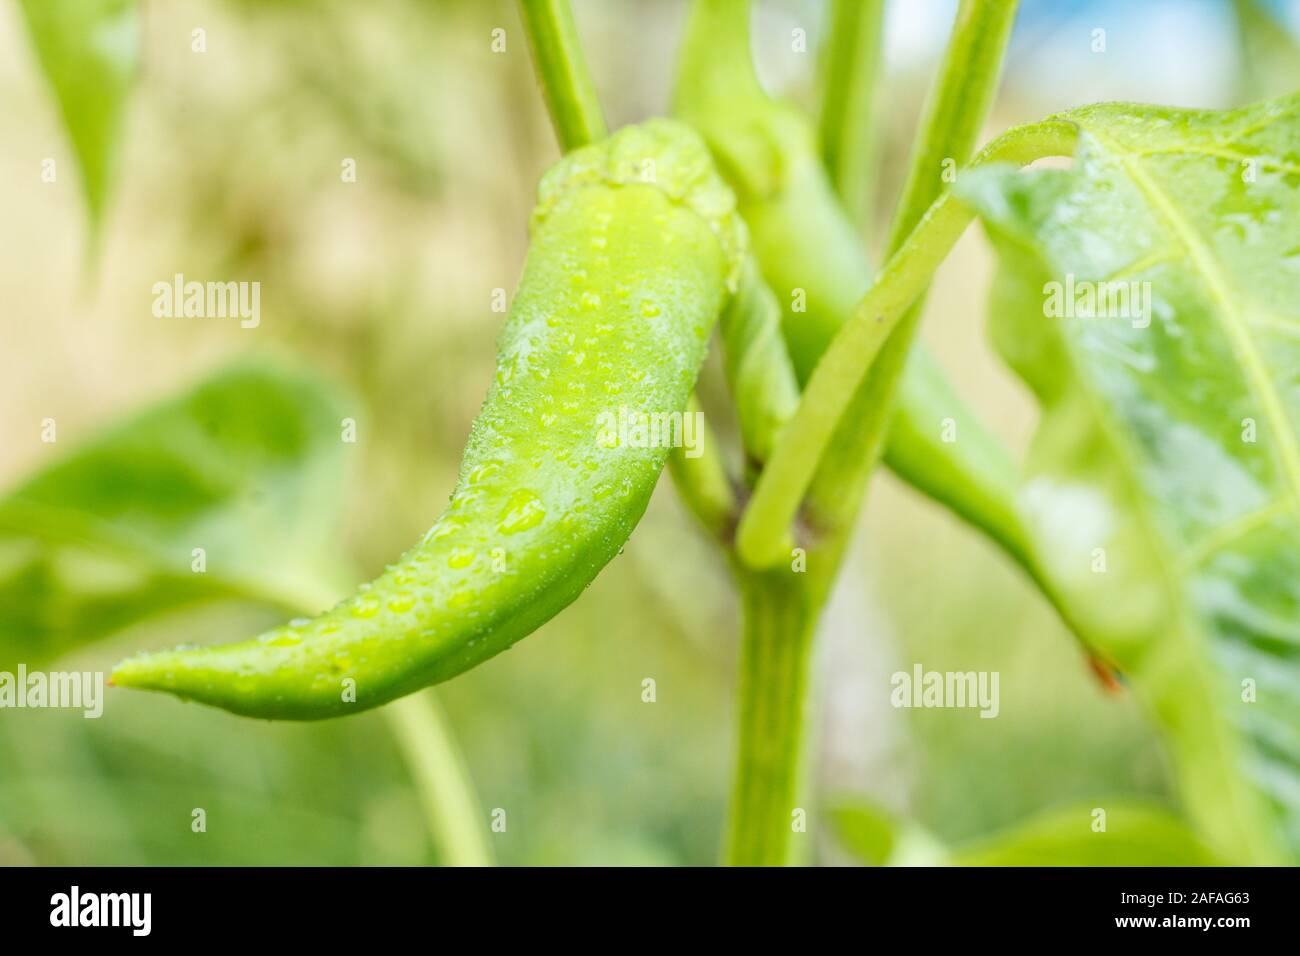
89	51
1267	50
1134	835
878	838
248	467
1162	489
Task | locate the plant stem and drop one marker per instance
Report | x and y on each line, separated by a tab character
848	361
703	483
718	90
781	608
562	72
438	769
955	111
772	700
781	486
956	106
716	70
851	61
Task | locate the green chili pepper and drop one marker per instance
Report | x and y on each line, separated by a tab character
636	245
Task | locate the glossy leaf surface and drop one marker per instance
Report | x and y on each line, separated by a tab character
1162	489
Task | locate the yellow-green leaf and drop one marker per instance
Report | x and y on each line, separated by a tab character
1162	489
89	51
1124	834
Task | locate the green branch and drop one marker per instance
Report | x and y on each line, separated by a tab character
847	120
847	429
562	72
703	483
956	108
844	367
438	769
762	536
780	617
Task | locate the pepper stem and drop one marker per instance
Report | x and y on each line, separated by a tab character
562	72
438	770
766	822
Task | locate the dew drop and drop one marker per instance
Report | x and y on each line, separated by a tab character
523	510
280	637
483	472
366	607
443	529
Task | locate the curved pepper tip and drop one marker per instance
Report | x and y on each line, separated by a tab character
172	671
140	671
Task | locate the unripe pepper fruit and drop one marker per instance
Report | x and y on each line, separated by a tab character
636	247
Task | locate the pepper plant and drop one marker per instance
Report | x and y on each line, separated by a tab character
1157	510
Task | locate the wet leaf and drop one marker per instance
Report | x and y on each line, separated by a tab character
1163	485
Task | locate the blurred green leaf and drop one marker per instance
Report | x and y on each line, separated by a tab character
877	837
867	831
1135	835
1163	485
89	51
247	466
1269	53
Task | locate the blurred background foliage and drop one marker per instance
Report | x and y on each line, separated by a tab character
230	169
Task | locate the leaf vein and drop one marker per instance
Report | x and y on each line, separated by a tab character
1237	329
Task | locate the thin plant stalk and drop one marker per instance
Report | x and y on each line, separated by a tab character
955	112
437	767
562	72
848	120
814	445
764	816
848	362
